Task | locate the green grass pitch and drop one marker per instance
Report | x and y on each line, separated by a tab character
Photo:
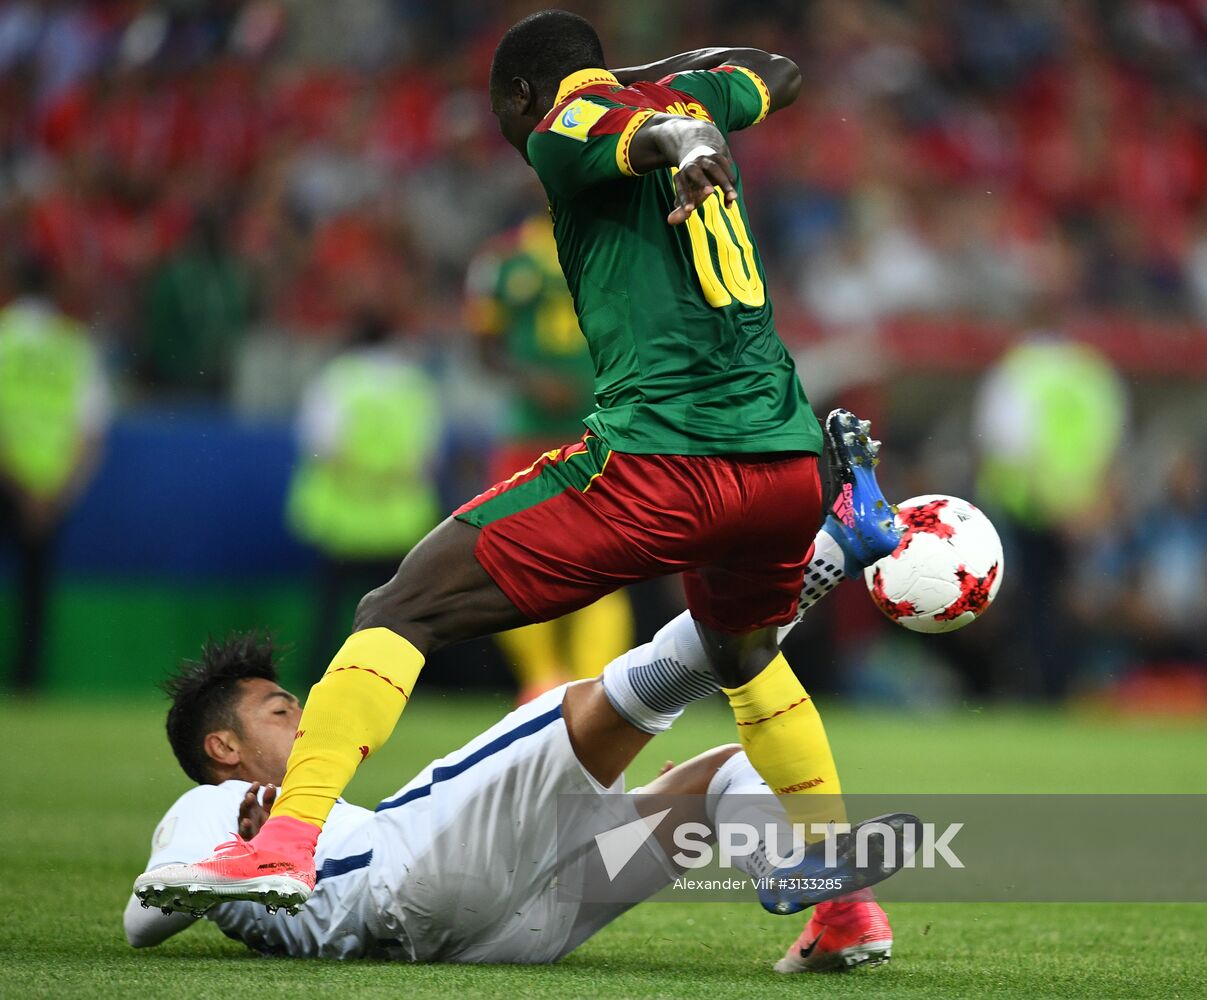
84	784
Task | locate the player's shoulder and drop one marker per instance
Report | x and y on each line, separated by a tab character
194	822
202	798
579	116
597	119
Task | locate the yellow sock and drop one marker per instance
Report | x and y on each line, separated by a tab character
598	634
782	734
532	653
351	711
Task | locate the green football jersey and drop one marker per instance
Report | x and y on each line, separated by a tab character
677	318
518	295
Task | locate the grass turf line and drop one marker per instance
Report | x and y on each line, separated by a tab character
86	782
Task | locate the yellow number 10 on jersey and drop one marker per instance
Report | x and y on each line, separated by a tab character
739	277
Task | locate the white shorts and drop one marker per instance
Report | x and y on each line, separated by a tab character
467	859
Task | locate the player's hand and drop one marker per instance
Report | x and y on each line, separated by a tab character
252	812
698	179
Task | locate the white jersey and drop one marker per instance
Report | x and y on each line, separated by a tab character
328	927
460	865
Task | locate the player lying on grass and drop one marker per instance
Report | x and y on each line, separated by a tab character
648	687
470	861
700	458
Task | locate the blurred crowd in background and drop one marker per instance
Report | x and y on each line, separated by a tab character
223	195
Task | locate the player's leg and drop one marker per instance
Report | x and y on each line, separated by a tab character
778	723
608	723
523	551
841	933
651	684
756	586
485	843
444	591
779	726
720	787
738	602
546	654
598	633
439	595
534	655
859	527
604	742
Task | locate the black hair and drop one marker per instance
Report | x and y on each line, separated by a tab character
204	693
544	48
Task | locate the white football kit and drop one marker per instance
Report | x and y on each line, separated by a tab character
463	864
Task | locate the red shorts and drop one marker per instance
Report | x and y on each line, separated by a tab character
583	521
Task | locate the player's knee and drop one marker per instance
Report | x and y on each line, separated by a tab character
693	777
711	761
392	606
728	672
738	663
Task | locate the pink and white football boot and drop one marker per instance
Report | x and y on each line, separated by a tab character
276	870
841	934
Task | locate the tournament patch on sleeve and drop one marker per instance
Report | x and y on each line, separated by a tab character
575	120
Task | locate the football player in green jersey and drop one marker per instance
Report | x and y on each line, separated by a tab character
701	457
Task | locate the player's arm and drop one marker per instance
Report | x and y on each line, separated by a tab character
697	150
779	73
190	822
147	927
589	142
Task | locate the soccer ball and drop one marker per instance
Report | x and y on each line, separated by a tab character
947	569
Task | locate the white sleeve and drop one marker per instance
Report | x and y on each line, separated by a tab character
146	926
197	822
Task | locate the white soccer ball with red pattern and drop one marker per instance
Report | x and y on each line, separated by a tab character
947	569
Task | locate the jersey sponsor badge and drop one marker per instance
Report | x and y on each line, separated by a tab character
575	120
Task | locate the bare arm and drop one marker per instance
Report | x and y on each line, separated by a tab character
696	148
780	73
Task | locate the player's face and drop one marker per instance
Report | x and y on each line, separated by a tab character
268	720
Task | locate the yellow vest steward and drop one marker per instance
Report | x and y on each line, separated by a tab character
364	488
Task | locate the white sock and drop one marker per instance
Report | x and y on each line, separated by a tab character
737	794
824	572
651	684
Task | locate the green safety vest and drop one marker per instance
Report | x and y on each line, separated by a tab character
47	368
1077	407
371	495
